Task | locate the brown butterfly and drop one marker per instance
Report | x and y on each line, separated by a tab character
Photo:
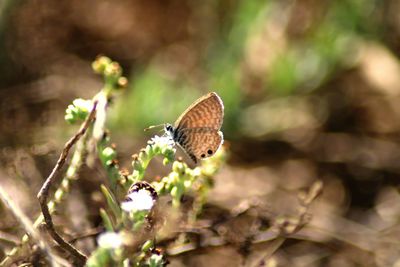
197	130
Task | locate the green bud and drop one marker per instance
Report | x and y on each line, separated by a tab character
100	64
166	161
174	178
69	118
122	82
177	191
187	184
168	186
113	71
174	191
78	110
166	150
157	149
177	167
109	153
147	245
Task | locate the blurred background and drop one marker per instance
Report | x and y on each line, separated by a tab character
311	91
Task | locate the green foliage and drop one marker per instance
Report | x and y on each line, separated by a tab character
293	63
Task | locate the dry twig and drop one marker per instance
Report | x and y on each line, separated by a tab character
52	178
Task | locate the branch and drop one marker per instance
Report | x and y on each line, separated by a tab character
52	178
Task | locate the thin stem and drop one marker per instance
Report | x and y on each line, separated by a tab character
52	178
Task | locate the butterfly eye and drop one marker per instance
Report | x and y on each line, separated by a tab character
209	152
168	127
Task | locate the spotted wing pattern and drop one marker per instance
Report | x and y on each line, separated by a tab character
199	143
207	111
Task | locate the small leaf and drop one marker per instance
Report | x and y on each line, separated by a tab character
112	203
106	220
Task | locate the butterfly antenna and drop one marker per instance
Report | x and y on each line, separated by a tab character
153	126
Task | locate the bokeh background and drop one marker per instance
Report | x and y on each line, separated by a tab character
311	91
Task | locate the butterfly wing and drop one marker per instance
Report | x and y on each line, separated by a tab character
200	143
206	112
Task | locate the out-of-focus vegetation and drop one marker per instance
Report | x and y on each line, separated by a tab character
311	91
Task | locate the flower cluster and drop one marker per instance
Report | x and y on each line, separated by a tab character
78	110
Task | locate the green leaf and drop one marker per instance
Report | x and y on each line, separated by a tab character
106	220
112	203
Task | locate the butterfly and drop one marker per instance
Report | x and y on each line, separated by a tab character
197	130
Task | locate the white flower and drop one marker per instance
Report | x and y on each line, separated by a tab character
162	141
109	240
85	105
138	200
